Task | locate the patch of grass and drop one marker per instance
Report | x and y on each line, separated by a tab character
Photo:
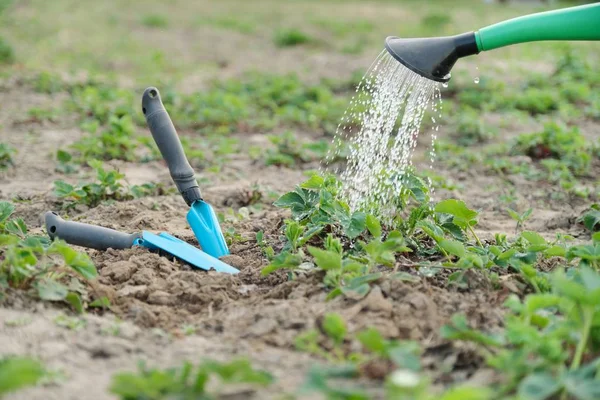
557	142
343	29
19	372
50	270
436	21
109	185
116	142
289	151
186	382
49	83
6	155
289	37
231	23
471	128
155	21
7	54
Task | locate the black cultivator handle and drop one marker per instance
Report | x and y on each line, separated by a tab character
168	143
86	235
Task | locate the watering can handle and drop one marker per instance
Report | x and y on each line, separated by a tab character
168	143
571	23
86	235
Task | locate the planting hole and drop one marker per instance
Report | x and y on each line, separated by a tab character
53	229
153	93
144	110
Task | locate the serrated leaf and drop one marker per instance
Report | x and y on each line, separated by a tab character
335	327
315	183
372	340
373	226
63	156
453	247
74	299
591	219
6	210
51	290
357	225
533	237
555	251
283	260
16	227
463	216
538	386
102	302
326	259
359	291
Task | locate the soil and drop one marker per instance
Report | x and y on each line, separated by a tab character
155	297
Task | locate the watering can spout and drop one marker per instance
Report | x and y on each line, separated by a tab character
433	58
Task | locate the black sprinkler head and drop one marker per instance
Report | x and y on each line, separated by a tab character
432	58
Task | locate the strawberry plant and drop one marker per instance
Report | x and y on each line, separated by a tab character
548	345
50	270
6	154
109	186
186	382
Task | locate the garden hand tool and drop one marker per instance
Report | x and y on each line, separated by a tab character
433	58
97	237
201	216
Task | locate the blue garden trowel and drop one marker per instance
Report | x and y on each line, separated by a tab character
97	237
201	216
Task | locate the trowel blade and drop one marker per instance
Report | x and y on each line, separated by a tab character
204	223
185	252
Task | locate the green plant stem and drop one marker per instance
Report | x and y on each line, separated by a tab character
475	236
588	316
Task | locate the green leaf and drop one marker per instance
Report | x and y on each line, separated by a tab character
372	340
102	302
18	372
582	383
78	261
459	330
356	291
335	327
237	371
315	183
467	393
75	301
405	355
555	251
533	238
538	386
373	226
591	219
453	247
283	260
51	290
356	225
326	259
63	189
16	227
463	216
63	156
6	210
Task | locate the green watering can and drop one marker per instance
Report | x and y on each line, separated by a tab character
433	58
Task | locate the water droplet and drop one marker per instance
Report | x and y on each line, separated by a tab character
476	80
445	84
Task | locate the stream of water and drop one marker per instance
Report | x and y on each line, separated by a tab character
381	127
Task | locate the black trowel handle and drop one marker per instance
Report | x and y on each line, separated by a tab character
168	143
86	235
